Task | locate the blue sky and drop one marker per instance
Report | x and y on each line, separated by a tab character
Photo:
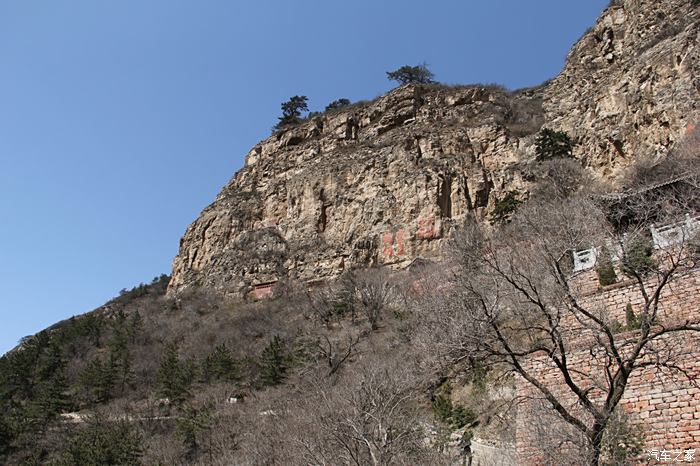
121	120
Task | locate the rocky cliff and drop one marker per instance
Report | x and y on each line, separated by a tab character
385	182
630	86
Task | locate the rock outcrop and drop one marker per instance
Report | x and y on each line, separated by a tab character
385	182
630	86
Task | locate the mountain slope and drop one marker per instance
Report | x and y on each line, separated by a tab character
199	376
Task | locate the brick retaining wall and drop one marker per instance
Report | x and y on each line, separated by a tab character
665	406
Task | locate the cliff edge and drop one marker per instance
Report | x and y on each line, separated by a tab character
385	182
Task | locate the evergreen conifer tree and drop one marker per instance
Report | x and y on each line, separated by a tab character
274	362
220	365
551	144
419	74
174	376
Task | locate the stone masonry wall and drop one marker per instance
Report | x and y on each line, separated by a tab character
664	404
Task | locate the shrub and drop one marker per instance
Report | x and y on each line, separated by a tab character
49	400
442	407
462	417
337	104
103	444
7	435
552	144
120	358
616	326
419	74
638	258
158	286
633	322
605	269
505	207
456	417
622	441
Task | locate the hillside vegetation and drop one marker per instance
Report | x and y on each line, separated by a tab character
374	368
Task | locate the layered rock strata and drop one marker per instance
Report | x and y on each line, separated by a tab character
385	182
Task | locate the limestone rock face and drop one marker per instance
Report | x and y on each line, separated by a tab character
385	182
379	183
630	86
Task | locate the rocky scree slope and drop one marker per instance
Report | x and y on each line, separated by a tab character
385	182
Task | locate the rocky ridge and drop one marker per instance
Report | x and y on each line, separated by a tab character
385	182
630	85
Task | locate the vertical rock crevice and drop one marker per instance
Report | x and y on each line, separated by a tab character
323	215
444	195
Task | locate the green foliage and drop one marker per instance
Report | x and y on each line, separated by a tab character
274	362
551	144
97	380
633	322
136	292
606	276
52	360
7	435
21	366
50	399
102	376
605	269
637	259
135	325
220	365
442	407
505	207
157	286
462	416
292	110
104	444
89	326
34	388
477	375
341	308
419	74
119	357
192	426
337	104
34	382
161	280
174	376
616	326
456	417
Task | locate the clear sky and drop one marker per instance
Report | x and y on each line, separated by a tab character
121	120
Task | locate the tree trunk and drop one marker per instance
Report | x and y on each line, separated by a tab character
596	444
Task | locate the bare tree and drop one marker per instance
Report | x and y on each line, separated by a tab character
370	419
512	301
373	293
334	352
560	177
328	303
